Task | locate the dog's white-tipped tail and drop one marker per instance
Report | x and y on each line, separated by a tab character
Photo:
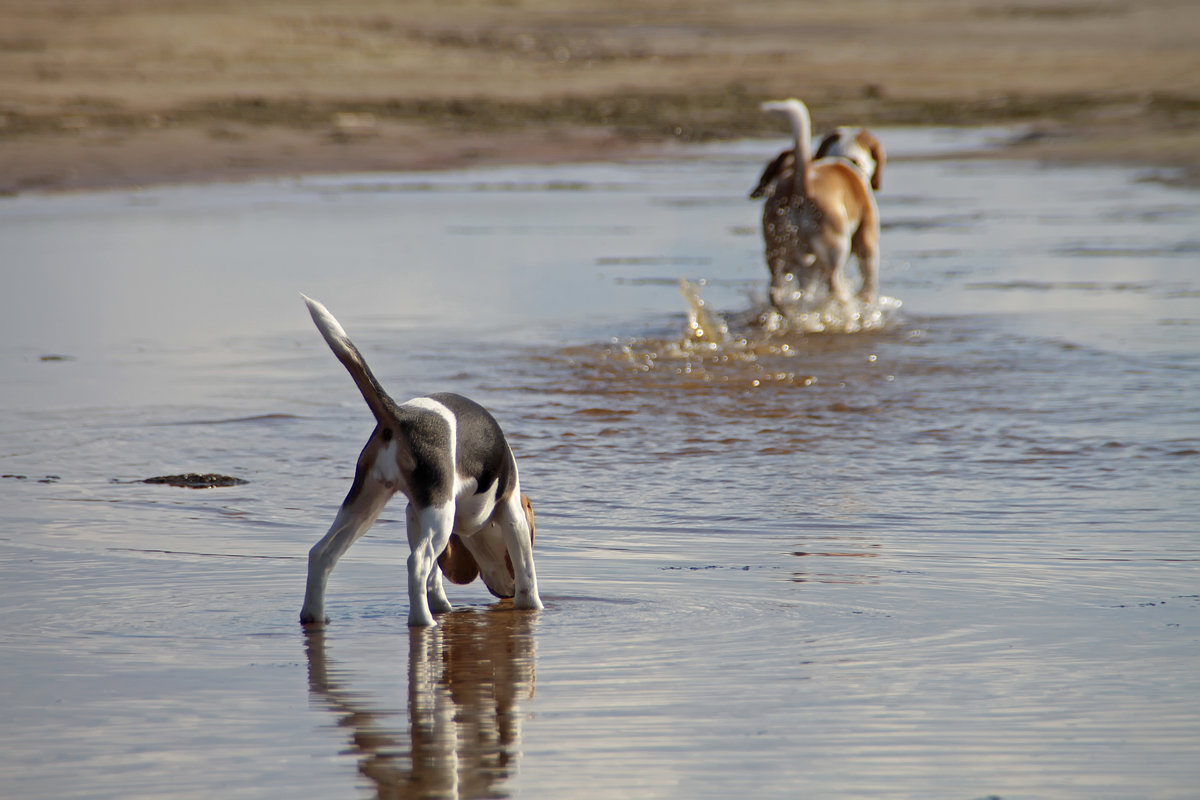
326	323
335	336
796	113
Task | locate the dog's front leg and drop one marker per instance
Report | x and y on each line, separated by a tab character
428	533
518	540
359	511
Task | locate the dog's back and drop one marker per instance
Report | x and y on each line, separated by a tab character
860	147
841	196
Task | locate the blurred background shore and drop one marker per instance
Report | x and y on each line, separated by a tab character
109	93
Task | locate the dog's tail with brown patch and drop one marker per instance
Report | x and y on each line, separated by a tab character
800	122
335	336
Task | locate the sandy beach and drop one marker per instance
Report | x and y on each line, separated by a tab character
119	93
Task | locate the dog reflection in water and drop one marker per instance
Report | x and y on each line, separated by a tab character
466	680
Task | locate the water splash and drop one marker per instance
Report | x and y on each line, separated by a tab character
816	311
750	350
813	312
703	325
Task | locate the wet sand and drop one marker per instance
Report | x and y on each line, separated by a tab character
122	93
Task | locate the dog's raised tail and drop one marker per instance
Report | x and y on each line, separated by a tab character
335	336
798	118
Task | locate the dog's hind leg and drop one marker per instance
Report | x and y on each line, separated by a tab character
359	511
866	250
435	593
831	257
428	533
868	265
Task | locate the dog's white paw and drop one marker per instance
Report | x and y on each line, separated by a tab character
440	605
527	602
421	618
317	617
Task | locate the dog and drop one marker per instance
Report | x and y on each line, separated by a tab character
817	213
466	515
858	146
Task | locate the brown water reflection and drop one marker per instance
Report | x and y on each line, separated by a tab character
467	678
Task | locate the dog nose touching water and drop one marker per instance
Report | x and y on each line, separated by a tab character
466	515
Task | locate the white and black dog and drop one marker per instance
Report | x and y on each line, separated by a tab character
466	513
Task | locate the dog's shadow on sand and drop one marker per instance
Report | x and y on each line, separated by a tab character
467	678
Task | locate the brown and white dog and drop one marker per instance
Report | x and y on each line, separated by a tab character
817	213
858	146
466	513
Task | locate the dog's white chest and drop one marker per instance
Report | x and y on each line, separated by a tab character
472	511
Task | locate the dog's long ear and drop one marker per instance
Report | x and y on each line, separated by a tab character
875	147
528	506
457	563
771	172
831	138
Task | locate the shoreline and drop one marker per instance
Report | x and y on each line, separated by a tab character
101	159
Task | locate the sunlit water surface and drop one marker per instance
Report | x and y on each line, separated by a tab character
954	555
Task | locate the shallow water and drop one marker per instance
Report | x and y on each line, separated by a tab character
952	557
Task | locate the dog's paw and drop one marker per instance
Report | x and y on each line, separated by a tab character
440	605
313	618
527	602
417	619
